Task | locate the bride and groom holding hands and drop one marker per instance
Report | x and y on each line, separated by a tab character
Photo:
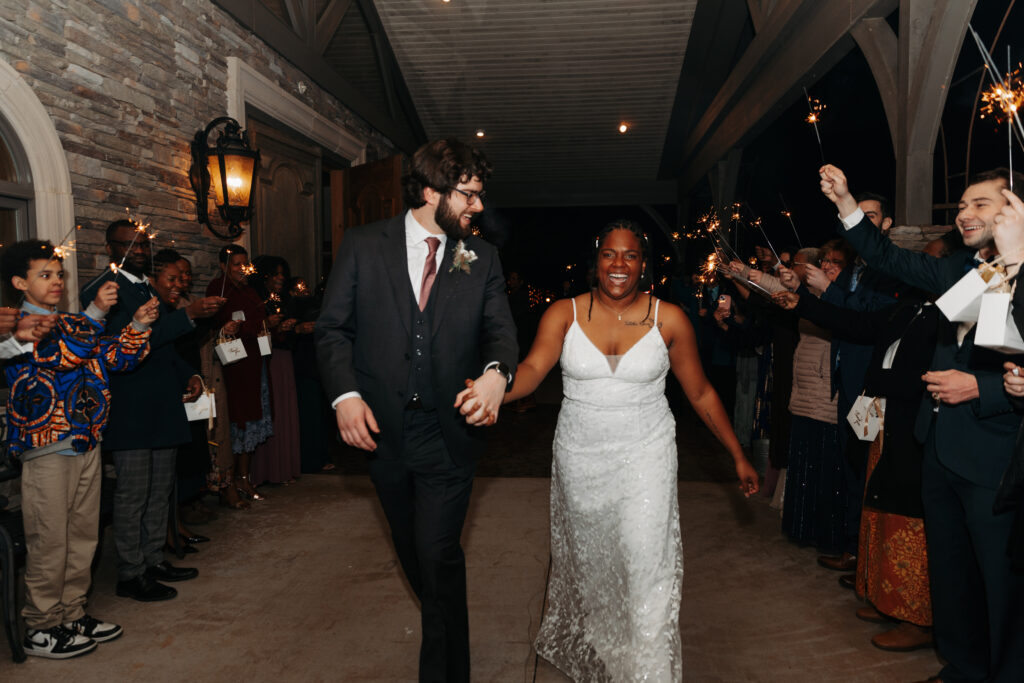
414	306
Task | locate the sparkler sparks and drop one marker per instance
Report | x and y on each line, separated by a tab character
1002	100
816	107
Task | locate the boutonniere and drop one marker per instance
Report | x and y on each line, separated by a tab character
463	257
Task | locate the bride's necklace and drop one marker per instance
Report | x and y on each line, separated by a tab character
611	310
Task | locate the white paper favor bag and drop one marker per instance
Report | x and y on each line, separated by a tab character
996	328
230	351
962	301
867	417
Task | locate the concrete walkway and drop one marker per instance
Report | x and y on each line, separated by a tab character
304	587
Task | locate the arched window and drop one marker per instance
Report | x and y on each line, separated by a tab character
16	193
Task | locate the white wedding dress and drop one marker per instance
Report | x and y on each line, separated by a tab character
616	554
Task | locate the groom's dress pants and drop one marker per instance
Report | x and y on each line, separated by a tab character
425	497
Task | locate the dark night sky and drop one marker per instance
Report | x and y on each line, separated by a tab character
540	243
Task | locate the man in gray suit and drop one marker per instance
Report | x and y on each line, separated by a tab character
415	305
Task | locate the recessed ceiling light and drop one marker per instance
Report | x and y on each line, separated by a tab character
623	127
479	132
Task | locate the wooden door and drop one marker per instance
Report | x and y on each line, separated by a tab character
364	194
288	217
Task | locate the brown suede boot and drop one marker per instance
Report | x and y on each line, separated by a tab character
904	638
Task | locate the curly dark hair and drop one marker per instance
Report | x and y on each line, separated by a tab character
18	257
441	165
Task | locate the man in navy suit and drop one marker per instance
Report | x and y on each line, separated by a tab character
968	429
415	304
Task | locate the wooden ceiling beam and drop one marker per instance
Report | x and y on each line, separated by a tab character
799	41
328	24
406	132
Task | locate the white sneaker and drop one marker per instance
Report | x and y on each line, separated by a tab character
57	643
97	630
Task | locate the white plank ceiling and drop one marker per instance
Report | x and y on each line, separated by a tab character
548	81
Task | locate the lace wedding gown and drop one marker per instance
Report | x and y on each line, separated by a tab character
617	563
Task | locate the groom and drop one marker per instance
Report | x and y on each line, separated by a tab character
414	305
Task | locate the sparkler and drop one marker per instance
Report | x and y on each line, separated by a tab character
789	216
1005	94
816	107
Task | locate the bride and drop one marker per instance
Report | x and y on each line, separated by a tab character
617	564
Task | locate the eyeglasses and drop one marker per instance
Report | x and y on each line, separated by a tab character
834	262
471	196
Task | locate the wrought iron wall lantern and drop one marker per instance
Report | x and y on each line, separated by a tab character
229	166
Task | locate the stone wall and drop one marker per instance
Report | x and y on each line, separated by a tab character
127	84
916	237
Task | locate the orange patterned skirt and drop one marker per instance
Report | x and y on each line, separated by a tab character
892	571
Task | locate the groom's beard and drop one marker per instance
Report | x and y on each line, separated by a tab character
448	220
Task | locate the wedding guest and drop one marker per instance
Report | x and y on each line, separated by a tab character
278	459
220	479
192	461
244	314
858	288
67	372
314	419
147	419
813	512
968	428
892	562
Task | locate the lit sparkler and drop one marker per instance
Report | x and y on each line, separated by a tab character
816	107
789	216
1008	93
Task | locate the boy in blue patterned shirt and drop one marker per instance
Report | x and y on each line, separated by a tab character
56	413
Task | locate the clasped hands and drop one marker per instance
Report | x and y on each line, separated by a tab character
481	399
26	328
479	402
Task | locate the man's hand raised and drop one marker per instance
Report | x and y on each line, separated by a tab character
355	422
1008	232
835	187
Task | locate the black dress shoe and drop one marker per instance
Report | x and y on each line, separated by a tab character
194	538
848	581
144	589
165	571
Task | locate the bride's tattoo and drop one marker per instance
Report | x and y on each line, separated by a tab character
642	323
711	424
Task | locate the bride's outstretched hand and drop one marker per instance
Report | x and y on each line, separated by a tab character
749	481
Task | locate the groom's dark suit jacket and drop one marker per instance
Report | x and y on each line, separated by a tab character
364	333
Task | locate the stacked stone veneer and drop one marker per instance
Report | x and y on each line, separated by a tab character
127	83
916	237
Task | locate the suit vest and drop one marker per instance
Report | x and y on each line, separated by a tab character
421	378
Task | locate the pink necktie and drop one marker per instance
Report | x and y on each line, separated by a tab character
429	271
